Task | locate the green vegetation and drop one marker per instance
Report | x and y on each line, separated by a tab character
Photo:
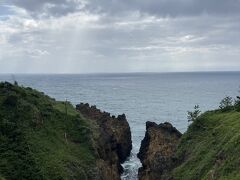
237	103
42	138
193	115
226	104
210	147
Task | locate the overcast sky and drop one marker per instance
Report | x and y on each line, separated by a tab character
90	36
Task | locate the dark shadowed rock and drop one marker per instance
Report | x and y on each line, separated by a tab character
157	151
113	143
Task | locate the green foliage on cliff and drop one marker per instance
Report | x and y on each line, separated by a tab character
226	104
210	148
41	138
193	115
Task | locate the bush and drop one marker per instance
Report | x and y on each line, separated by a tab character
226	104
193	115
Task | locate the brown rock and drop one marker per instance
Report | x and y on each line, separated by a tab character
113	143
157	151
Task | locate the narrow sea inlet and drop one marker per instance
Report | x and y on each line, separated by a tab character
157	97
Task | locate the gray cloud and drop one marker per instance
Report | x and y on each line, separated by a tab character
49	7
121	36
163	8
168	7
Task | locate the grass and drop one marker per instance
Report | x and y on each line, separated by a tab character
39	140
211	147
46	139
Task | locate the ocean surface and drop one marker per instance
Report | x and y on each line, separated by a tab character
142	97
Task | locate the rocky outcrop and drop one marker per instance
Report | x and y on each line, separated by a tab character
113	142
157	151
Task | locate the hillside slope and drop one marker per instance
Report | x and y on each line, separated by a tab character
42	138
210	149
46	139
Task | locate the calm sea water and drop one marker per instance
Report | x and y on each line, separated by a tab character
142	97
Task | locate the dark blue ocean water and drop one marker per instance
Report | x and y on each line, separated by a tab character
142	97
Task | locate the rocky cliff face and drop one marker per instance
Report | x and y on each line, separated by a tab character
157	151
113	144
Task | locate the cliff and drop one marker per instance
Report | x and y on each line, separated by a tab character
210	147
208	150
113	143
42	138
157	152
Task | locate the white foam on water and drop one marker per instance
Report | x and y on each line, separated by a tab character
131	166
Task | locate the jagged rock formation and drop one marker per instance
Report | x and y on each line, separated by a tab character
113	144
157	151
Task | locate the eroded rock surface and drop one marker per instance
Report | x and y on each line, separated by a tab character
157	151
113	142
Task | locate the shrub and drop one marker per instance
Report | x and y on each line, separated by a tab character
193	115
226	103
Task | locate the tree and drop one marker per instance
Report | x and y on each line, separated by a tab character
226	103
193	115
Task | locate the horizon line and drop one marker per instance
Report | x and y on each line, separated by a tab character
137	72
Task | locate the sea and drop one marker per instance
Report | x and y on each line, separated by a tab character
157	97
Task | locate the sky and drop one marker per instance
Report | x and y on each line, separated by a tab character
95	36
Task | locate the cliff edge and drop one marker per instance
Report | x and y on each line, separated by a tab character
42	138
113	143
157	151
209	149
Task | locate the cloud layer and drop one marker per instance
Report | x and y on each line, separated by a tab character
78	36
161	7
